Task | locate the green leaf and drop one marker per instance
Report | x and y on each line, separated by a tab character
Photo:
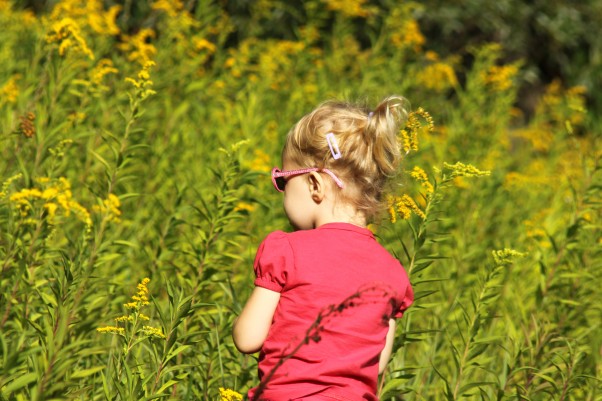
86	372
101	159
19	383
166	385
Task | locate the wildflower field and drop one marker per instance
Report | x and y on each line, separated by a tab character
136	144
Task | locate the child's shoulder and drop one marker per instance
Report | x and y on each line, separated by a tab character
290	237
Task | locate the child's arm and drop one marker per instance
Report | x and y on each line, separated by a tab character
251	328
386	352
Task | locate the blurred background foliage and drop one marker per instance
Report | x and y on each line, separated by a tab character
554	39
136	140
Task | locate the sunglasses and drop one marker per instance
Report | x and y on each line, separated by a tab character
279	180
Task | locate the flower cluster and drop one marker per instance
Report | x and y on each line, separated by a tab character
409	37
227	394
464	170
144	82
141	298
171	7
95	82
139	46
88	14
138	301
500	77
56	198
564	106
109	208
6	184
420	175
506	256
260	163
409	134
67	34
403	206
438	75
10	90
354	8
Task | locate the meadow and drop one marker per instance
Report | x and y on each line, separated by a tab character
135	190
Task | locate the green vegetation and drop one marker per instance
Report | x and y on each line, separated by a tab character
136	147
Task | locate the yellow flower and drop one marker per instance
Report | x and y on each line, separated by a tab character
88	14
6	184
563	106
100	21
244	206
408	36
227	394
261	162
144	81
111	329
350	8
464	170
140	299
500	78
134	317
138	46
23	198
203	44
506	256
420	175
391	208
109	208
414	125
541	139
81	213
56	194
152	332
437	76
403	206
67	34
10	91
51	208
171	7
430	55
103	68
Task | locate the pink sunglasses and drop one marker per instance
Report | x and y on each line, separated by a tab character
279	181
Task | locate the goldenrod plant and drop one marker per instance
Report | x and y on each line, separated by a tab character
136	142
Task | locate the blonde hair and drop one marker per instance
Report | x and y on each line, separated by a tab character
368	143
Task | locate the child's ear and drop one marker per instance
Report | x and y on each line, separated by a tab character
316	186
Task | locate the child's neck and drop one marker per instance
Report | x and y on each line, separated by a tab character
342	214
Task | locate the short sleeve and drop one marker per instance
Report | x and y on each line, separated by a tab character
406	296
405	302
273	262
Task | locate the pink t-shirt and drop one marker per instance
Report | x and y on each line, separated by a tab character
339	279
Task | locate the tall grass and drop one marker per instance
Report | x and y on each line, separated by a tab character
135	191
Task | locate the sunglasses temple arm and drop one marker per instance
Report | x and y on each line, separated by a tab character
334	177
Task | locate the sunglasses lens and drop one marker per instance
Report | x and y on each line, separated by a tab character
280	183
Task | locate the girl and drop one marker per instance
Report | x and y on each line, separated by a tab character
327	295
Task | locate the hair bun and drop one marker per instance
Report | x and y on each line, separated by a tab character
382	126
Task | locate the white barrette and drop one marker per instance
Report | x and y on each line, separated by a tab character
333	145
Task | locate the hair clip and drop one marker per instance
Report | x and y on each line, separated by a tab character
370	116
333	145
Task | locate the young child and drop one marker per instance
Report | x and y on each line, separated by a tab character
327	295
